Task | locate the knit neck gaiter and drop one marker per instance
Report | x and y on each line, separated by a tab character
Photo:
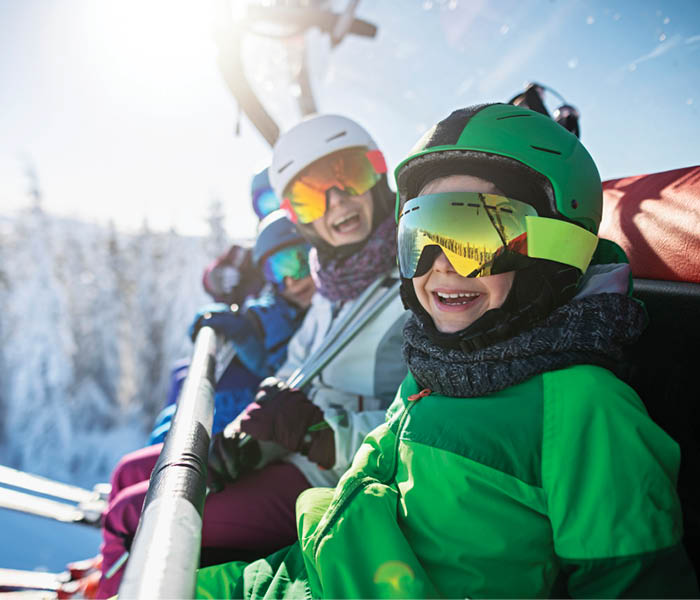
592	330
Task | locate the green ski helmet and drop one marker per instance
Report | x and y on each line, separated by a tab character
530	158
526	154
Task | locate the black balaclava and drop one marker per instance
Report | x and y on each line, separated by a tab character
537	290
539	285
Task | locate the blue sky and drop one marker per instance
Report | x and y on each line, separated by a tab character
119	107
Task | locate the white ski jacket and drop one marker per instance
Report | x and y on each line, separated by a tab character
357	386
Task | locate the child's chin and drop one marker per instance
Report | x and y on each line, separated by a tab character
451	326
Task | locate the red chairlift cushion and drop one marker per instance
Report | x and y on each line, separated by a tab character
656	220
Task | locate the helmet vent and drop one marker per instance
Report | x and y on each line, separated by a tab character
336	136
546	150
512	117
283	167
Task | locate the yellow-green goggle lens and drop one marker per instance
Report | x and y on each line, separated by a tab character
353	170
472	229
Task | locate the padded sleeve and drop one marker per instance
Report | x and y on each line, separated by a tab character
609	474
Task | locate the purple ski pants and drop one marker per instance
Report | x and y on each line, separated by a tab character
255	513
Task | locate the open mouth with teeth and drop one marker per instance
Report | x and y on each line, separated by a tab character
347	223
455	299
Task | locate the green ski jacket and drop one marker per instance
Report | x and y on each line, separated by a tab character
559	486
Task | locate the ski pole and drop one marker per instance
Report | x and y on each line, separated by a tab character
303	376
338	327
223	360
317	363
43	507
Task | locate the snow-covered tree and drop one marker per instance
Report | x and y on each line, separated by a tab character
91	322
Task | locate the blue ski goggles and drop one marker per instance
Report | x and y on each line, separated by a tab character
292	261
264	202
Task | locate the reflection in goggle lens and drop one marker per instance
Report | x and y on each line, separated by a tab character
480	234
353	170
289	262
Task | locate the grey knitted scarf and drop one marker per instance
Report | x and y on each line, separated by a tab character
590	330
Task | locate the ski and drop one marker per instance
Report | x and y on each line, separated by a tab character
79	580
49	487
87	513
30	595
14	579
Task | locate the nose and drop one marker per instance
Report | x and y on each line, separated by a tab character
442	264
334	197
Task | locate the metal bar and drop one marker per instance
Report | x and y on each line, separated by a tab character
228	39
165	552
306	101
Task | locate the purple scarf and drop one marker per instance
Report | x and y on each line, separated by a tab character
344	279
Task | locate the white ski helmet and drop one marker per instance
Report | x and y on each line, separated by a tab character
311	139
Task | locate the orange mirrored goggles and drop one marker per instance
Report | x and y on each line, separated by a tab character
352	170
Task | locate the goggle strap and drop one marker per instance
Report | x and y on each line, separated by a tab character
286	206
376	158
560	241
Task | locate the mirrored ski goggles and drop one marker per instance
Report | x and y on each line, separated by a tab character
265	202
353	170
484	234
291	261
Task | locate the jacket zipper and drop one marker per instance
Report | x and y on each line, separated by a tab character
413	399
363	481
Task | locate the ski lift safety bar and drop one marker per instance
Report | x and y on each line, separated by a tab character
165	552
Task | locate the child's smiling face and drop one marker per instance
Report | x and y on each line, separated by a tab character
299	291
455	302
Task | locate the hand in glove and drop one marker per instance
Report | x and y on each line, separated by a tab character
233	277
286	416
221	318
229	456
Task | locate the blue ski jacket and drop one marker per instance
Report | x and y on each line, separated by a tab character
267	324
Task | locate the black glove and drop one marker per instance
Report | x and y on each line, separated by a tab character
231	453
287	417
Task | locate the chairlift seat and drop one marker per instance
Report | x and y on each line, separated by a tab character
655	218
